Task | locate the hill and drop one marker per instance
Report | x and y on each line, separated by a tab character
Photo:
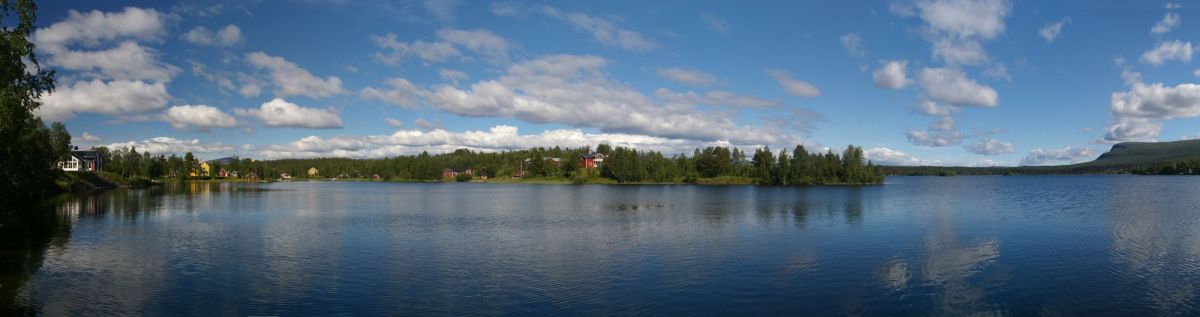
1130	154
1126	157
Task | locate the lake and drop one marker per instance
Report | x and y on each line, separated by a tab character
1021	245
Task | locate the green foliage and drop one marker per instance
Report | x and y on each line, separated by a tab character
462	178
28	149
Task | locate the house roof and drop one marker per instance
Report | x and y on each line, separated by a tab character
592	156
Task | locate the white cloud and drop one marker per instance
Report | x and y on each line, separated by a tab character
714	98
853	44
959	52
716	23
573	90
1157	101
393	123
1068	154
86	138
887	156
1168	51
794	87
1173	6
280	113
94	27
951	86
169	145
480	41
893	75
1136	114
965	18
426	51
1132	129
498	138
603	30
291	80
400	92
199	117
227	36
1168	23
508	9
941	132
443	10
450	74
990	147
694	77
128	60
956	28
1050	31
97	96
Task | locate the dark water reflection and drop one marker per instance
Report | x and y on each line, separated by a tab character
1100	245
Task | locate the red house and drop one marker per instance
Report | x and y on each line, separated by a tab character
591	160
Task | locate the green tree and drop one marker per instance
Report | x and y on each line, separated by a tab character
25	144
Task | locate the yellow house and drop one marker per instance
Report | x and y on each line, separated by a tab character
312	172
202	171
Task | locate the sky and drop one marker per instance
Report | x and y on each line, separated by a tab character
914	82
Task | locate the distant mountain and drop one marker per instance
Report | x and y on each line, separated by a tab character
1129	154
224	160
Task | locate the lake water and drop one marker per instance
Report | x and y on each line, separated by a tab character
1067	245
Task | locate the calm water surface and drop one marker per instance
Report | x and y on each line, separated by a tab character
1070	245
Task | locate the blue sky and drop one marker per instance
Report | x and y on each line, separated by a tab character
955	82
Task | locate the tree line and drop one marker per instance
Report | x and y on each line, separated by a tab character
621	164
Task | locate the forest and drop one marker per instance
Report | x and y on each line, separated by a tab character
621	165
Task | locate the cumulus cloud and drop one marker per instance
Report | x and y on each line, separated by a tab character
1050	31
399	92
793	86
574	90
951	86
716	23
941	132
1132	129
990	147
1068	154
1168	51
443	10
127	60
1168	23
714	98
1157	101
426	51
450	74
291	80
887	156
480	41
498	138
393	123
198	117
1138	112
280	113
853	44
227	36
892	75
97	96
86	138
169	145
603	30
687	76
957	28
